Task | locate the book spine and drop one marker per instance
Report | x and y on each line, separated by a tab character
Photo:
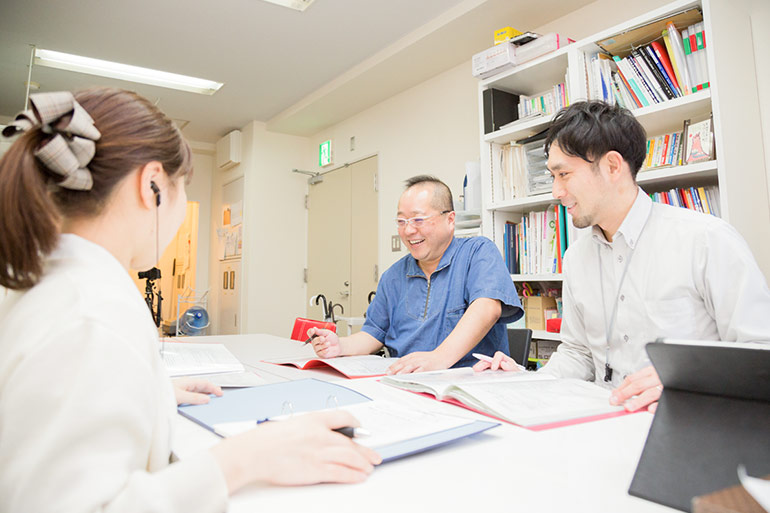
662	71
622	75
643	85
647	53
634	79
647	76
664	58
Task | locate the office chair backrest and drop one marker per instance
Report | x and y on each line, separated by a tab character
518	344
301	325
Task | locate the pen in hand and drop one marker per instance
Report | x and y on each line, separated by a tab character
488	359
352	432
310	339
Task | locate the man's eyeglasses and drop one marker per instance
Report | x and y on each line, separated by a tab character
417	221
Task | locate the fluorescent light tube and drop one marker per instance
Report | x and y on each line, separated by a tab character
109	69
297	5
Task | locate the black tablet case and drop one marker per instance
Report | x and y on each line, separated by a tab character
713	415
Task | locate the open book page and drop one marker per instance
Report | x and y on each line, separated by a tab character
440	383
351	366
387	422
234	379
532	403
185	359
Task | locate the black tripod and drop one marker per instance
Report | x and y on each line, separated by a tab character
150	294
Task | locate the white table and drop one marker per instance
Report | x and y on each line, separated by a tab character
586	467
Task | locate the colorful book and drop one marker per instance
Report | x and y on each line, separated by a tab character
665	62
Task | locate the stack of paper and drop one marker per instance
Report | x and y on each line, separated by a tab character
186	359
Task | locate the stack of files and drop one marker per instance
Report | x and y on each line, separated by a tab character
520	168
700	199
712	417
532	400
396	431
362	366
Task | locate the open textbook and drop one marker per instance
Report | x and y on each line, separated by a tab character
363	366
187	359
395	430
528	399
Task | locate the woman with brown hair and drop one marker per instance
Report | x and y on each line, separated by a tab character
94	187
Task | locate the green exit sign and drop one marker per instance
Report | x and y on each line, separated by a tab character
325	153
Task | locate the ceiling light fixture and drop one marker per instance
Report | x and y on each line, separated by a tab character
109	69
297	5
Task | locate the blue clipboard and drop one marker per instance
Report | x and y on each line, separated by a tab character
305	395
268	401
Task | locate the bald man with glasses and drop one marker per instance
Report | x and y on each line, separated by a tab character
445	300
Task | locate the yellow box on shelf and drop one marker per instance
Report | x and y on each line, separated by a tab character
504	34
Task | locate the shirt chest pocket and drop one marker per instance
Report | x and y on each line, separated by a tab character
672	318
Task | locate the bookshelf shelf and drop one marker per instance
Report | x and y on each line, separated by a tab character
521	205
546	335
518	278
678	176
668	116
519	130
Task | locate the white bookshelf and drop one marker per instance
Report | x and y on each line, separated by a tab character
738	171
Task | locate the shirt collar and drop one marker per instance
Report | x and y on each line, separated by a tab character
632	225
413	268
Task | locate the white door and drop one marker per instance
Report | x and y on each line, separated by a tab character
342	240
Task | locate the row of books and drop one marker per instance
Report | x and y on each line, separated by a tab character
537	243
652	73
693	144
545	103
700	199
664	150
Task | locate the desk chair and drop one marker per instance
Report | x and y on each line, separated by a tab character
518	344
301	325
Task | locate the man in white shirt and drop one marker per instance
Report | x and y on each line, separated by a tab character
645	270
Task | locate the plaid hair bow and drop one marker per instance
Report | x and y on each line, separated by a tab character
72	146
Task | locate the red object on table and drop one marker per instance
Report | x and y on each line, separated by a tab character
301	325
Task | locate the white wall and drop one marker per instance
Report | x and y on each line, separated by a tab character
760	20
275	228
199	190
431	128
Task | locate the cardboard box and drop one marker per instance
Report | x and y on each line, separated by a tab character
534	310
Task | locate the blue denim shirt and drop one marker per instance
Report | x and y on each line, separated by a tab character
410	314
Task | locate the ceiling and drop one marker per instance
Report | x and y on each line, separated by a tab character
297	72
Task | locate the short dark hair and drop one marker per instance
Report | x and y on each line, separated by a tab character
589	129
442	196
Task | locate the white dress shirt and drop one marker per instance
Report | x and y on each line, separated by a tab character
86	406
689	276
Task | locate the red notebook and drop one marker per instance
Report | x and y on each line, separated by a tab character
363	366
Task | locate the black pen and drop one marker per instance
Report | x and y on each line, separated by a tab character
309	340
352	432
